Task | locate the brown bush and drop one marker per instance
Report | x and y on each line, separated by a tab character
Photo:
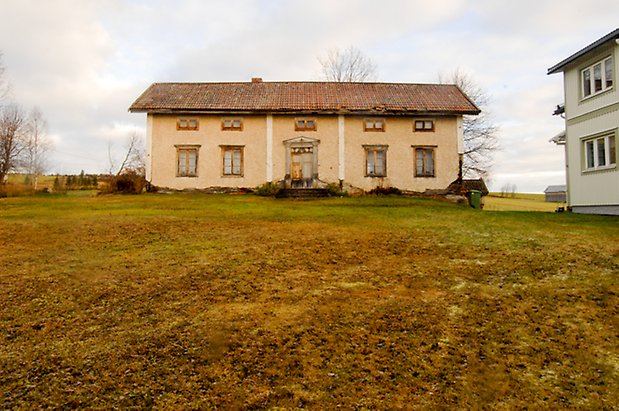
129	182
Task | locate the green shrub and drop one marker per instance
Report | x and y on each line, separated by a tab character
334	190
267	190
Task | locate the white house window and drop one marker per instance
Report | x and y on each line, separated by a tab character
232	160
187	124
187	161
424	162
375	161
234	124
424	125
597	78
374	124
600	152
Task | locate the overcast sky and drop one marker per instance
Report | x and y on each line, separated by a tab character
84	62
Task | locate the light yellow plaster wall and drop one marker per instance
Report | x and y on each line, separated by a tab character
210	137
326	132
400	137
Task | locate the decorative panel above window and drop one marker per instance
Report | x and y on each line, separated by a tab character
424	125
304	124
187	124
597	78
374	124
232	124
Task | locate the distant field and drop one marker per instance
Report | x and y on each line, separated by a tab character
188	301
521	202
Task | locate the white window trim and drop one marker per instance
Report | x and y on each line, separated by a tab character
594	139
604	89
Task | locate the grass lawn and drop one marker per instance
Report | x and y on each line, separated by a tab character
208	301
521	202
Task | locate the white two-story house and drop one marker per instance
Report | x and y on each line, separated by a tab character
592	124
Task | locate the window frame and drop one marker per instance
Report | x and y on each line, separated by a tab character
424	149
187	148
374	148
187	126
423	122
374	121
232	149
232	127
609	146
588	87
305	126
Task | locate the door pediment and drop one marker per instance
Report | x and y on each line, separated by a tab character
301	141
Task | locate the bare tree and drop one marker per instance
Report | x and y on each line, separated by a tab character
480	132
134	158
13	131
508	190
349	65
5	87
37	146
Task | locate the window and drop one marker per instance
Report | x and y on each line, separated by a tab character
187	159
376	161
232	124
187	124
597	77
232	160
424	161
424	125
305	124
600	152
374	124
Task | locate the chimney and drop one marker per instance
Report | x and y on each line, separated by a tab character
256	79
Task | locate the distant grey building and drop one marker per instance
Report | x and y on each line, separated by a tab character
555	194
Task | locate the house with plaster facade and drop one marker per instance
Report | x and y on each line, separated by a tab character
303	134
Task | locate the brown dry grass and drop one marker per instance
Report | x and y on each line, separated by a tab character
238	302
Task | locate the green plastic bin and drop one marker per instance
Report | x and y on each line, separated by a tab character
475	199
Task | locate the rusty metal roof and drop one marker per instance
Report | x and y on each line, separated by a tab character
315	97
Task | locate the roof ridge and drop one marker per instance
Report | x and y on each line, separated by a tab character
300	82
315	96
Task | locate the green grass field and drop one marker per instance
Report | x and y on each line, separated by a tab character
520	202
190	301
